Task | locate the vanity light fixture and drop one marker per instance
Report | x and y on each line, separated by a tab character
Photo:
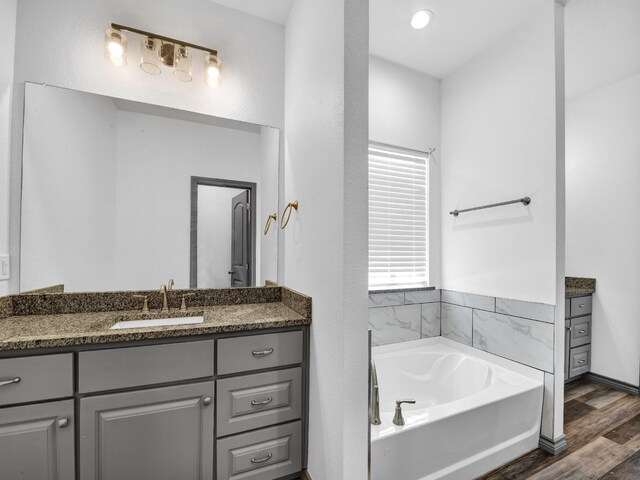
421	19
157	50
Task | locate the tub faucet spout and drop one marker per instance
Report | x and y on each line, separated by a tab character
397	418
374	396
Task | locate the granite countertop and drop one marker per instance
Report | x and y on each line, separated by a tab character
44	329
579	286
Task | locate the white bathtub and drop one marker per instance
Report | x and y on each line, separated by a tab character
474	411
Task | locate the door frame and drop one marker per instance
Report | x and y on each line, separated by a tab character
220	182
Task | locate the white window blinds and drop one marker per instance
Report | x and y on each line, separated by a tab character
398	206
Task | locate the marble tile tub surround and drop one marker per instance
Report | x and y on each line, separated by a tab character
517	330
402	315
63	303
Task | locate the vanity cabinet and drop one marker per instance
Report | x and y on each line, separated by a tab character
37	442
258	427
577	342
211	407
37	439
161	433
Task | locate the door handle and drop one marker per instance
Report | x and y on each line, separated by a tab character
230	272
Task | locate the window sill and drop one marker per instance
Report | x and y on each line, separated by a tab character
400	290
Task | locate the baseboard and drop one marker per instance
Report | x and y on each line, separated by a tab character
304	475
610	382
553	447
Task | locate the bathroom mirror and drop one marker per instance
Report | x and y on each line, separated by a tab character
122	195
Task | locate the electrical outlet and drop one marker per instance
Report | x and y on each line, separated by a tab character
4	267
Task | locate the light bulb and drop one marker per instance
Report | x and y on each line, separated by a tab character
115	47
213	73
212	67
421	19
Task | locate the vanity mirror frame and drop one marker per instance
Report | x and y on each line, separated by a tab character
270	153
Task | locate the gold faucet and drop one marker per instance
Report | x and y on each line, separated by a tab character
170	284
165	302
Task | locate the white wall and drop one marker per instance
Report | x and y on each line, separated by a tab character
502	139
214	235
269	201
499	143
156	158
404	111
252	51
326	257
603	227
8	10
70	240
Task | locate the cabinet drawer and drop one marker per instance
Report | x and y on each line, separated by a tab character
262	454
30	379
37	442
580	331
579	360
242	354
567	308
259	400
581	306
100	370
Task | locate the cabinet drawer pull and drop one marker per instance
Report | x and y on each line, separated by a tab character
581	305
256	403
582	331
262	353
63	422
581	361
206	401
261	460
9	382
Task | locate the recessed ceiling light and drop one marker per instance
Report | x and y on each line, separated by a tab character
421	19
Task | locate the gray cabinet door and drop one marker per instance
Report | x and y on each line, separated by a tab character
36	442
156	434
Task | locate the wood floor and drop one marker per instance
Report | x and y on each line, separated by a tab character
602	426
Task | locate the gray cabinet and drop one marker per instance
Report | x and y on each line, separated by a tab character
163	433
37	442
577	337
200	409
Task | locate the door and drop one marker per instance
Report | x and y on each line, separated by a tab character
36	442
157	434
240	241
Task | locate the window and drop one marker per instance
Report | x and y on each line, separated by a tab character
398	206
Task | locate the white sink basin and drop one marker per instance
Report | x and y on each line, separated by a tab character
158	322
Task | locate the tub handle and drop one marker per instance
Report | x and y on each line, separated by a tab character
397	418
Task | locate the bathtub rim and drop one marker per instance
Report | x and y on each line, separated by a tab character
525	370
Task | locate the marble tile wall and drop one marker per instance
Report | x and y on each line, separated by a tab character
517	330
401	316
514	329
